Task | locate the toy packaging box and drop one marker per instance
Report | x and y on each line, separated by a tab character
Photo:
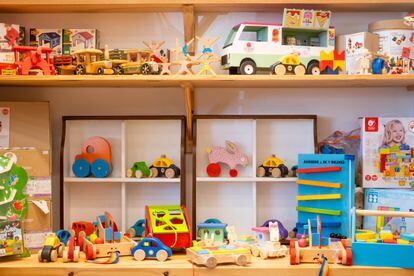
78	39
306	19
387	152
47	37
11	240
389	200
9	36
353	45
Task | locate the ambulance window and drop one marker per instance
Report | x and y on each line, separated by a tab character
254	33
230	37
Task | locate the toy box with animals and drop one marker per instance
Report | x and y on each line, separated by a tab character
47	37
389	200
388	153
78	39
11	242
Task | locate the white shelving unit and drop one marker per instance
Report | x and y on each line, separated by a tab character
248	200
132	138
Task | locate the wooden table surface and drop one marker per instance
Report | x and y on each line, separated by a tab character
179	265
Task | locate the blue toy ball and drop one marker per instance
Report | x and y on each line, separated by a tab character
100	168
81	168
63	235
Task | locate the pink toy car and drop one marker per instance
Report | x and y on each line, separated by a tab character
229	155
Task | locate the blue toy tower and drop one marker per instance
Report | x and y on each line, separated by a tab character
326	188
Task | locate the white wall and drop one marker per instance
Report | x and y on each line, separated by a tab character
337	108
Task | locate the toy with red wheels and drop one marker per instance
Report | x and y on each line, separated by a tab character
230	155
94	160
164	167
71	252
272	167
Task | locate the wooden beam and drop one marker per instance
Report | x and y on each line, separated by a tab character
189	27
189	110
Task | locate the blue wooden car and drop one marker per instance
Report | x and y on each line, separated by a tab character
151	248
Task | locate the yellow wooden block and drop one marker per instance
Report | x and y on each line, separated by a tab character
401	241
318	183
318	197
327	56
385	235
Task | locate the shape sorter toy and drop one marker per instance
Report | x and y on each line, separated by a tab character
388	156
326	184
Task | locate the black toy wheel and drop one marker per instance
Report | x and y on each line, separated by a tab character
146	69
118	70
284	171
101	71
313	68
248	67
80	70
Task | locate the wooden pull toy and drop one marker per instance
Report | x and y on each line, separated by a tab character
230	155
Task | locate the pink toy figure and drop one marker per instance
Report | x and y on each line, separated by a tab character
229	155
274	231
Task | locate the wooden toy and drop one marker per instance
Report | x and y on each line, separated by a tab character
137	230
170	224
154	47
207	44
71	252
365	62
325	189
205	61
113	258
52	249
64	65
8	69
139	170
94	159
210	257
391	253
231	234
380	64
140	62
230	155
112	240
213	231
151	248
268	242
88	61
273	167
165	65
28	58
334	252
331	62
63	236
164	167
183	58
257	46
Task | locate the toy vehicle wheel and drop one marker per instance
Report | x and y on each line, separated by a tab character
76	254
100	168
284	171
65	256
53	256
213	170
348	260
146	69
80	70
81	168
263	254
80	240
293	255
211	262
61	249
169	173
276	172
162	255
138	174
139	255
248	67
129	173
260	172
131	232
279	69
39	255
154	172
233	173
255	251
118	70
101	71
313	68
300	70
90	252
241	260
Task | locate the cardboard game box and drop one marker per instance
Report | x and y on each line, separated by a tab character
11	239
47	37
389	200
387	152
78	39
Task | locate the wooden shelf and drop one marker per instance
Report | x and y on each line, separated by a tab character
219	81
245	179
94	6
122	179
179	265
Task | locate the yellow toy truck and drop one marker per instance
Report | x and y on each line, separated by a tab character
52	249
273	167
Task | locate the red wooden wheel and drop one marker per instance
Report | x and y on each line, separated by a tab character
293	255
292	244
233	172
90	252
348	256
71	247
213	170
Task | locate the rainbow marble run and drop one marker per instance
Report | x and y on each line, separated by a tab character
397	162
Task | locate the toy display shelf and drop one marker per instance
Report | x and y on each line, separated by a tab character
219	81
258	136
132	139
30	6
179	265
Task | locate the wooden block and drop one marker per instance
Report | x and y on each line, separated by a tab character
319	183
